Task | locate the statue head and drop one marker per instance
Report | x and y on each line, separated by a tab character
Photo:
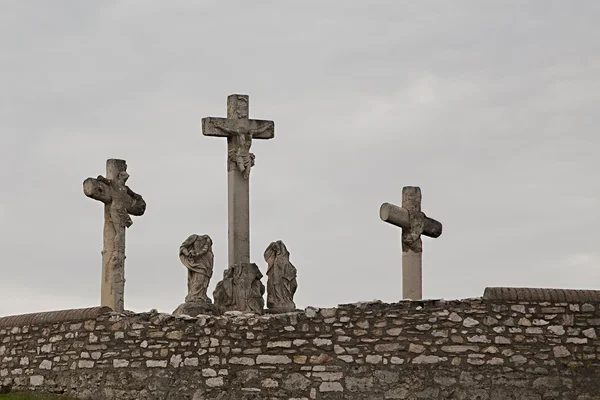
195	242
205	240
275	249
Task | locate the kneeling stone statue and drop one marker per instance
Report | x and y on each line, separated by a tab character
196	255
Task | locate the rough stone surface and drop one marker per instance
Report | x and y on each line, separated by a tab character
354	351
414	223
239	131
119	202
240	289
194	309
540	295
281	284
52	317
197	256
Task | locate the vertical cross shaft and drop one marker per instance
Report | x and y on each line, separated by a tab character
113	269
412	248
238	192
240	132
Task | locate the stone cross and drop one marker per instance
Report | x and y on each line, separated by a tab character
119	202
414	223
239	131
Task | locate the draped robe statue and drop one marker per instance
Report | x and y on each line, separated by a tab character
282	284
197	256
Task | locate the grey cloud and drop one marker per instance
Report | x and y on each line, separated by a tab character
490	107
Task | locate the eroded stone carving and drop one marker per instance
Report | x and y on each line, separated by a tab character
238	153
240	289
240	131
196	255
411	238
414	223
119	202
282	284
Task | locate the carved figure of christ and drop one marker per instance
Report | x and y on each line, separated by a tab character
119	202
239	131
414	223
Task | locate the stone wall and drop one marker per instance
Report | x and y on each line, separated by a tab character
471	349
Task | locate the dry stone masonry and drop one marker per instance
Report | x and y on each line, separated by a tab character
486	349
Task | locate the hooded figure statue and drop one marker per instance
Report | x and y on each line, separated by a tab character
197	256
282	284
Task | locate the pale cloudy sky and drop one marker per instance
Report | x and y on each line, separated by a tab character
491	107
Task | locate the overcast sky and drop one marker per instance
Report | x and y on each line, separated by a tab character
491	107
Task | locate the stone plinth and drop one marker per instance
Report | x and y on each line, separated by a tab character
193	309
240	289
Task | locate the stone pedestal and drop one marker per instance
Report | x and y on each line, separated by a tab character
193	309
281	310
240	289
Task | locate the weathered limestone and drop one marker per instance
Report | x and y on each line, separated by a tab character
196	255
431	349
240	289
239	131
414	223
53	317
281	285
539	294
119	202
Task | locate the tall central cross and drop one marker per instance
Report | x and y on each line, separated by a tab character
239	131
414	223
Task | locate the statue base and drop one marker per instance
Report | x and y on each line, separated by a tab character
240	290
283	310
193	309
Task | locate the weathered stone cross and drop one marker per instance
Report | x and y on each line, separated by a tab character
413	222
239	131
119	201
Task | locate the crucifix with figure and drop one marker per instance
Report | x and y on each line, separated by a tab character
239	131
414	223
119	202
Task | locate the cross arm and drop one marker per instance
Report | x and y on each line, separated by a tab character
100	189
136	205
399	216
97	189
224	127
